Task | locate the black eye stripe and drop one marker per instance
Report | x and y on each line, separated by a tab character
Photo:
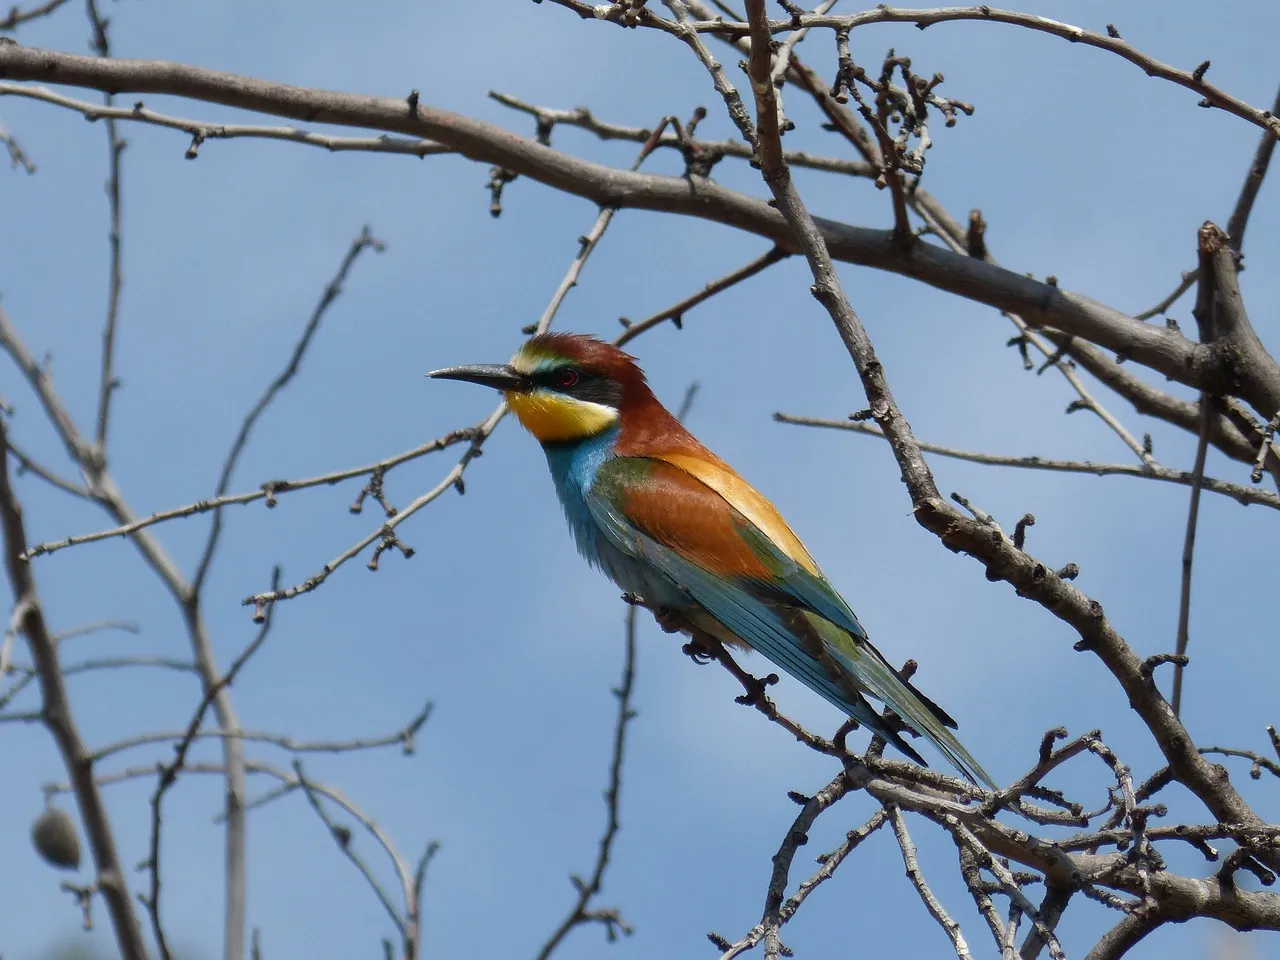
581	385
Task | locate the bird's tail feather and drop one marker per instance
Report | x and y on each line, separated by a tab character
872	673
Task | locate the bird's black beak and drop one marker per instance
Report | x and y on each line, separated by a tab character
498	376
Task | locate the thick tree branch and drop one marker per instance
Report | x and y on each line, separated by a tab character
1040	304
1209	782
56	715
1241	357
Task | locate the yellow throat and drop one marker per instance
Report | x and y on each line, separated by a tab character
556	418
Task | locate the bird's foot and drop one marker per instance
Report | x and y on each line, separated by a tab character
697	653
756	692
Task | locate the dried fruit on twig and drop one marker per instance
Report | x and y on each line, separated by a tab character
56	840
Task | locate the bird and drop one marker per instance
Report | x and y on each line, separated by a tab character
670	522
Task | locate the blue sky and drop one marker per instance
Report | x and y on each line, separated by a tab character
1082	166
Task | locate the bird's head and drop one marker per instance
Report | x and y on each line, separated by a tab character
563	387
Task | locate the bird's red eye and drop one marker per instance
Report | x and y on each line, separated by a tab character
568	378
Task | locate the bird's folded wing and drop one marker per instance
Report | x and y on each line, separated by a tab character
742	576
794	572
656	511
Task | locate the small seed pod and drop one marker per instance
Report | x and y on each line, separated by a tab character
55	839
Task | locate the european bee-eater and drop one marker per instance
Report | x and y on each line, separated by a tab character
668	520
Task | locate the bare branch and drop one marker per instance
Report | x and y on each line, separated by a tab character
17	156
771	923
1238	492
1002	560
101	486
28	673
15	18
200	131
581	912
675	313
830	862
1117	941
268	492
364	241
58	719
1186	283
1188	551
385	535
733	102
168	774
1054	904
782	57
402	738
1259	762
916	876
1226	434
115	147
1190	79
980	891
1252	183
1038	303
28	465
708	151
128	626
345	846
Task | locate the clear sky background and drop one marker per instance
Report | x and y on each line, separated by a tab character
1084	168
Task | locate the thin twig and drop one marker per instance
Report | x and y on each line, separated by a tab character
200	132
365	241
782	58
27	465
168	775
676	311
268	492
916	876
104	491
797	835
385	535
1236	491
115	147
1186	283
1005	289
402	738
1056	358
18	157
1188	551
1194	80
581	912
345	846
584	119
16	17
1252	183
28	673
